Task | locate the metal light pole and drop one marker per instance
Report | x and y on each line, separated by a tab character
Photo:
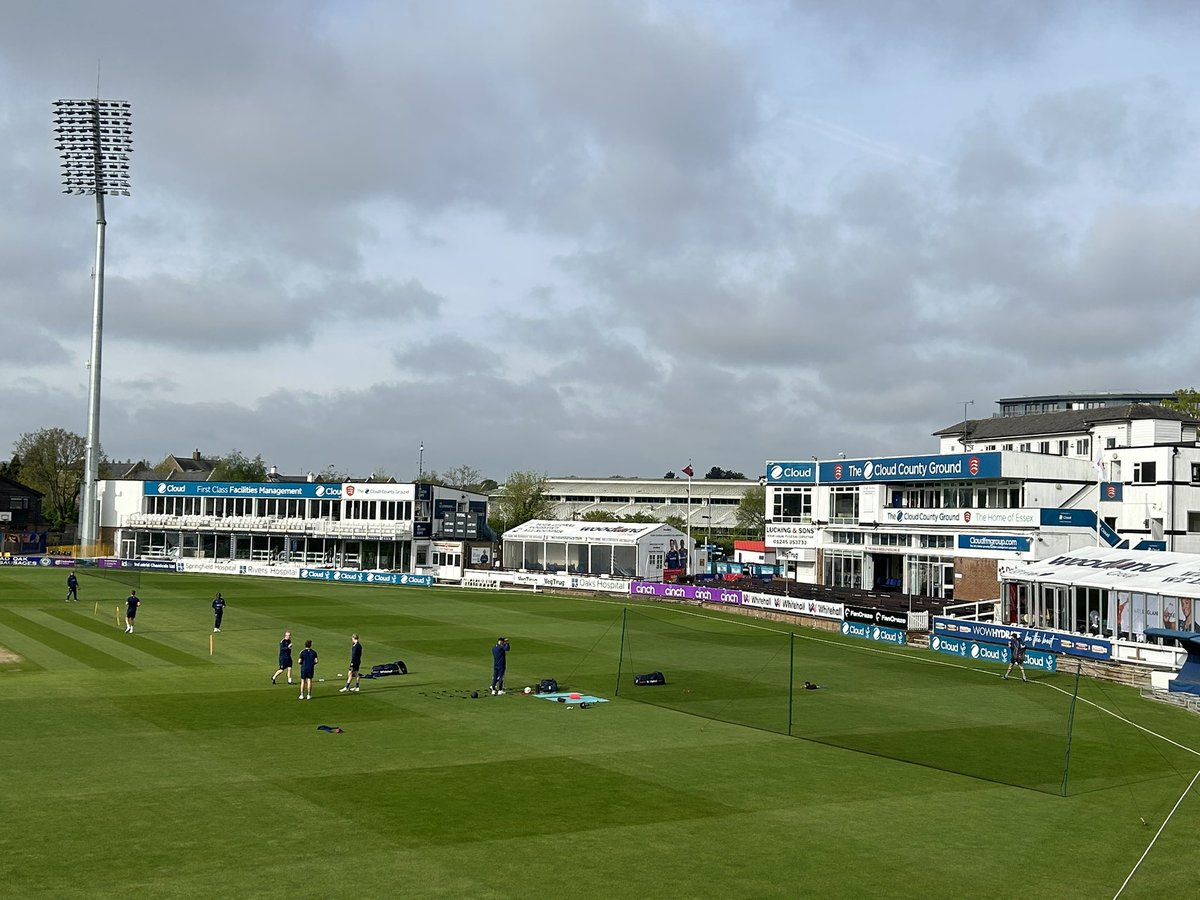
421	462
94	140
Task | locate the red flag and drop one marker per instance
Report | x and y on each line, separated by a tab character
688	471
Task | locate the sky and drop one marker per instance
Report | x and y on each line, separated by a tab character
597	238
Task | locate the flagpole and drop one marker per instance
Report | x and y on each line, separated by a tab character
689	519
1099	492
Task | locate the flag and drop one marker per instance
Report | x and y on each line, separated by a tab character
1098	462
688	471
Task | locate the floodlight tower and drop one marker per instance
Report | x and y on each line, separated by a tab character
94	140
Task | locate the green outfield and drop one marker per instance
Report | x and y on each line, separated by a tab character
139	765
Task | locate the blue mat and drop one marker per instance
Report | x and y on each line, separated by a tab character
566	698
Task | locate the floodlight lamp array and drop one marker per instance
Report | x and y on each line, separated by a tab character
94	140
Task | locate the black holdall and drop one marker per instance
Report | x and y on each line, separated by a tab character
547	686
649	678
393	668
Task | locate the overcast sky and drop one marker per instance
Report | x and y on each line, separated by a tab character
597	238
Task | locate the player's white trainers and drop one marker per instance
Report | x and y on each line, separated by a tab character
493	692
499	692
354	690
301	697
345	690
309	697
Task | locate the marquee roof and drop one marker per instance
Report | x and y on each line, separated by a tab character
1141	571
589	532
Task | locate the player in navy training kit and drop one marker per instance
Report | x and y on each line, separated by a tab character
131	607
1016	651
285	658
355	665
308	668
218	606
499	663
72	587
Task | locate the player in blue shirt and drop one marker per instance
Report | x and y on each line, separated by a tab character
1016	650
308	668
218	606
72	588
499	663
285	658
131	607
355	664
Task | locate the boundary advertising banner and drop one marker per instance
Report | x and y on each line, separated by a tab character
874	633
685	592
1034	638
997	653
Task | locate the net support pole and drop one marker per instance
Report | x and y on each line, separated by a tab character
791	675
621	653
1070	725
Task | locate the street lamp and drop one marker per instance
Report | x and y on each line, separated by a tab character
94	140
421	462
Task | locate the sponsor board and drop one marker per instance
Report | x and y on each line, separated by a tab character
144	565
791	472
1009	543
912	468
979	518
237	567
20	561
819	609
304	490
1035	639
779	534
685	592
870	616
995	653
874	633
378	491
356	577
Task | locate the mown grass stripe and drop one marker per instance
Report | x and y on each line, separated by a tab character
149	647
77	650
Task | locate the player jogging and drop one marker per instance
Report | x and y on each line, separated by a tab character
131	607
72	588
285	658
1016	650
352	674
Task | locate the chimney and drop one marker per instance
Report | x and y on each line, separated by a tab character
312	477
196	455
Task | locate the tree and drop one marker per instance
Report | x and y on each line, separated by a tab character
236	466
751	512
462	477
52	462
332	475
11	469
676	522
718	472
640	518
1186	400
522	498
598	515
669	475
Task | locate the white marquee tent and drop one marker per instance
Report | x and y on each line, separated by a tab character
621	549
1130	589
